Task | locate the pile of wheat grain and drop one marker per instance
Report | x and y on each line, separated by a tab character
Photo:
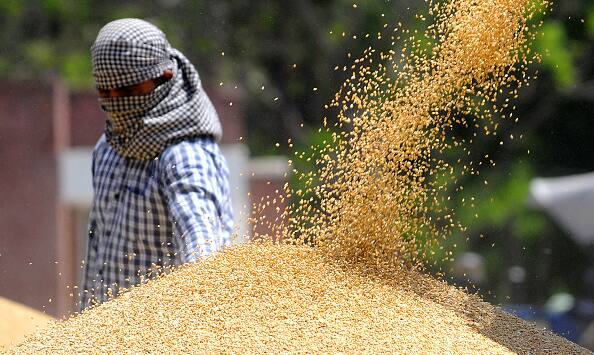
267	298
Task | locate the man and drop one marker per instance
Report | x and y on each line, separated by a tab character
161	191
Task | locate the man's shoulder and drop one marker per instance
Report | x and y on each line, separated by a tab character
190	149
195	153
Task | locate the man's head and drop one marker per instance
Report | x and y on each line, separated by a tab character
130	57
151	93
142	88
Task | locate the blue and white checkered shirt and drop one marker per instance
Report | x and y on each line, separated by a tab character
148	215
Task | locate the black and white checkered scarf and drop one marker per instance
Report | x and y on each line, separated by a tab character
130	51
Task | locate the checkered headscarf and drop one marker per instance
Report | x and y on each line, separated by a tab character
130	51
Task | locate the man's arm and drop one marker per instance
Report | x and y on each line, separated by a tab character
191	186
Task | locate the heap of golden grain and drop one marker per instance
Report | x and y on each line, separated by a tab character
372	210
271	298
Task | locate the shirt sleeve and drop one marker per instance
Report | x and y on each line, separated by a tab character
190	187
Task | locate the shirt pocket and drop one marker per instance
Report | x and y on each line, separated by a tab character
139	182
138	189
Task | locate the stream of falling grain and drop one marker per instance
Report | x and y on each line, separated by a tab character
375	199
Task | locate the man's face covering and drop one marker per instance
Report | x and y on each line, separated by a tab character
131	51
